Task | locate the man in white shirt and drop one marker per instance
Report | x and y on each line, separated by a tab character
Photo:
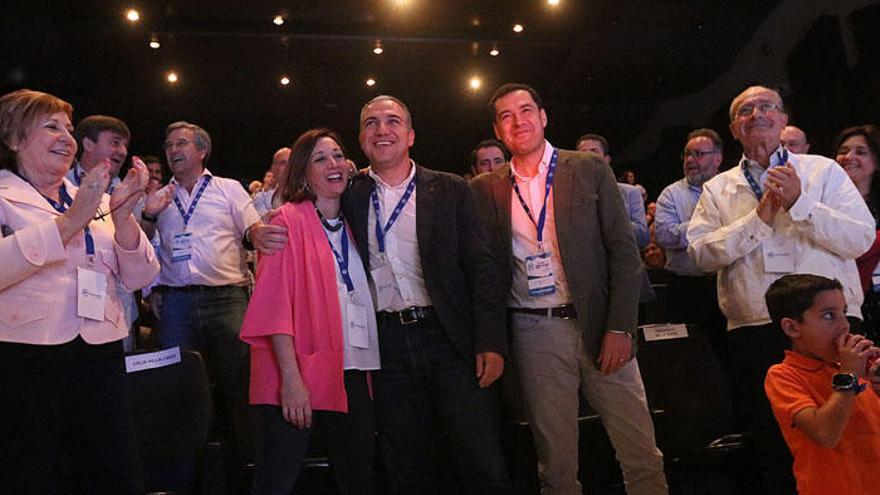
774	213
263	199
100	137
570	267
203	283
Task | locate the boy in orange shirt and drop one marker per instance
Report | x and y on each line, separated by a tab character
830	423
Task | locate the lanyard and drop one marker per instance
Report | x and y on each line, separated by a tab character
61	207
542	217
381	232
192	206
341	260
77	178
783	157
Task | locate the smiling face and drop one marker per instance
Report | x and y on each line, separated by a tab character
519	123
327	170
183	157
386	134
814	335
49	148
110	145
763	124
856	158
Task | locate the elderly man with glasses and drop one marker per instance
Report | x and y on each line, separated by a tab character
773	213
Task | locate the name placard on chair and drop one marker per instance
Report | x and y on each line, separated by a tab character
150	360
665	331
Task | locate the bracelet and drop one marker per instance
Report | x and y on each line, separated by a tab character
246	239
149	218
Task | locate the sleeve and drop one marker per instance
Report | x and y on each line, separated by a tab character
270	310
624	262
242	207
28	250
669	228
489	308
714	246
139	267
839	221
787	393
868	262
636	209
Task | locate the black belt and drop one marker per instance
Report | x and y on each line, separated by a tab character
407	316
193	288
566	312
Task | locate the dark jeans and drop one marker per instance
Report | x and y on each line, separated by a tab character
426	390
66	398
350	441
209	321
752	351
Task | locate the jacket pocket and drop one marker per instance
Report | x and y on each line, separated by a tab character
20	309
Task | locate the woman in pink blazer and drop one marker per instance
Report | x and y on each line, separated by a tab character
62	376
312	331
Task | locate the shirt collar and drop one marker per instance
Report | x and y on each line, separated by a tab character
805	362
402	185
205	172
542	167
775	161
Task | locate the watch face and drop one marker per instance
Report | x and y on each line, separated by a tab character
844	381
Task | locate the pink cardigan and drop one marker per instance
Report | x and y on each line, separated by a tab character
296	295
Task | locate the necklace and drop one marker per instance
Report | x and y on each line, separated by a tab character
326	223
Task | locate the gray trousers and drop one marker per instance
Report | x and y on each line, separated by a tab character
553	367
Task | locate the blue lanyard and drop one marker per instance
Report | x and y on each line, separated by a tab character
381	232
342	260
192	206
77	178
61	207
542	217
783	158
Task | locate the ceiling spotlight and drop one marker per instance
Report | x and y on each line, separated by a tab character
518	28
278	20
171	77
494	51
371	82
475	22
285	80
475	83
377	47
553	3
154	41
133	15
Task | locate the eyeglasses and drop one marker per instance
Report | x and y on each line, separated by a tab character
762	108
696	154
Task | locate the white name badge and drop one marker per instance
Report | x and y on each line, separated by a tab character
151	360
181	246
664	331
358	331
91	290
778	255
383	286
539	272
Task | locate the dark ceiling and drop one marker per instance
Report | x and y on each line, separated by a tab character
602	66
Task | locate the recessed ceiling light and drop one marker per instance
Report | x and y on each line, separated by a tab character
171	77
494	51
285	80
154	41
475	83
278	20
132	15
370	81
377	47
518	28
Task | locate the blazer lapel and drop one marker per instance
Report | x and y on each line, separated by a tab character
425	206
359	196
562	191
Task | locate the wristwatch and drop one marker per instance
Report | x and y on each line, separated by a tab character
845	382
150	218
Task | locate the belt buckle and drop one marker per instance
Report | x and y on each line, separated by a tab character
408	316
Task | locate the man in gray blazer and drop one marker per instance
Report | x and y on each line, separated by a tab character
569	264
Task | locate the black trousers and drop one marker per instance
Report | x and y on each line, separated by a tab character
281	447
66	398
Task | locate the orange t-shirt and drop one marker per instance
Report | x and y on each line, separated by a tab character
850	468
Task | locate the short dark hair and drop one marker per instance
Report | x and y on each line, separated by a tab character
508	88
606	148
291	187
708	133
487	143
791	295
92	126
871	134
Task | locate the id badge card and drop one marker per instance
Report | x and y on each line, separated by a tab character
539	273
358	332
91	293
778	255
181	246
383	286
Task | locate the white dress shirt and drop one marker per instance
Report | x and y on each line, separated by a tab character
222	214
401	244
826	229
524	237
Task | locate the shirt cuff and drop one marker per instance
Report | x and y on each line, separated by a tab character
802	208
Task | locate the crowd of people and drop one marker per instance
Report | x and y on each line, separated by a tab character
387	302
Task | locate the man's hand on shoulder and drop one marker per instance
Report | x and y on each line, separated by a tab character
267	238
